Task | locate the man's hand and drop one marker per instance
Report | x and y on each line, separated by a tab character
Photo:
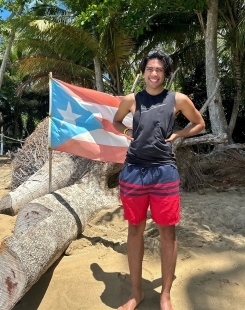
172	138
129	135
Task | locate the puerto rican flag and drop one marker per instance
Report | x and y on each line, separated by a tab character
82	123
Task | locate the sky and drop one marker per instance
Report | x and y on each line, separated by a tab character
4	14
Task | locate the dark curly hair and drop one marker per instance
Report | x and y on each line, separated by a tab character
163	57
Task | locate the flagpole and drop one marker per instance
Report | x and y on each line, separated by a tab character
49	135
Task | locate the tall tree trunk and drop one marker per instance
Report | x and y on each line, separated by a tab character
216	111
6	56
232	12
98	75
8	48
238	96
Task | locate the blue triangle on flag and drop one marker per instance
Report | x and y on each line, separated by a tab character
68	117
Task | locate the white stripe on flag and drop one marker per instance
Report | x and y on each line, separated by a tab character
99	136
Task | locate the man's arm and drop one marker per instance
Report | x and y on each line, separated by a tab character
126	106
187	108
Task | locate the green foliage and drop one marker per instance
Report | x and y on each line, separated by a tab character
11	6
20	114
66	47
14	6
119	33
193	84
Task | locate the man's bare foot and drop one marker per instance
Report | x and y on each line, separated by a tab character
132	302
165	302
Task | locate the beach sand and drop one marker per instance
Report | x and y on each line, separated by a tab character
93	273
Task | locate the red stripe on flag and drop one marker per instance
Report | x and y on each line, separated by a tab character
108	126
90	95
94	151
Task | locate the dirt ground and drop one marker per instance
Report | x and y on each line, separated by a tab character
93	273
5	174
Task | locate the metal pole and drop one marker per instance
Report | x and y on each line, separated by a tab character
50	171
1	148
49	133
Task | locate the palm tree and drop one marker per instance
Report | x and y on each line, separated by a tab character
10	42
232	29
46	46
70	52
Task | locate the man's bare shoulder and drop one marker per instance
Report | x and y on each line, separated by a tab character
128	102
180	97
182	101
129	98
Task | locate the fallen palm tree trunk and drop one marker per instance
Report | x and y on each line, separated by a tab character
44	229
66	170
32	156
207	139
191	175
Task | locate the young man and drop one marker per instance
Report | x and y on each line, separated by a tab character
150	176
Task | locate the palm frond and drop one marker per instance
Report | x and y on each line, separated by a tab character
35	72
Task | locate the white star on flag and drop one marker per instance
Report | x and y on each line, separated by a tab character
68	116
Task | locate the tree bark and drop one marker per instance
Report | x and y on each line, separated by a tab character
98	75
66	170
8	48
177	143
6	56
232	13
184	159
238	96
44	229
208	139
216	111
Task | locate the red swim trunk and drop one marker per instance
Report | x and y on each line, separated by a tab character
154	187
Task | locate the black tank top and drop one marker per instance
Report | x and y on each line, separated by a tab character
153	122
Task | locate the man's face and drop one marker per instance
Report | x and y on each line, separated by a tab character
154	74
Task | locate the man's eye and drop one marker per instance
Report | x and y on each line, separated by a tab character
157	70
